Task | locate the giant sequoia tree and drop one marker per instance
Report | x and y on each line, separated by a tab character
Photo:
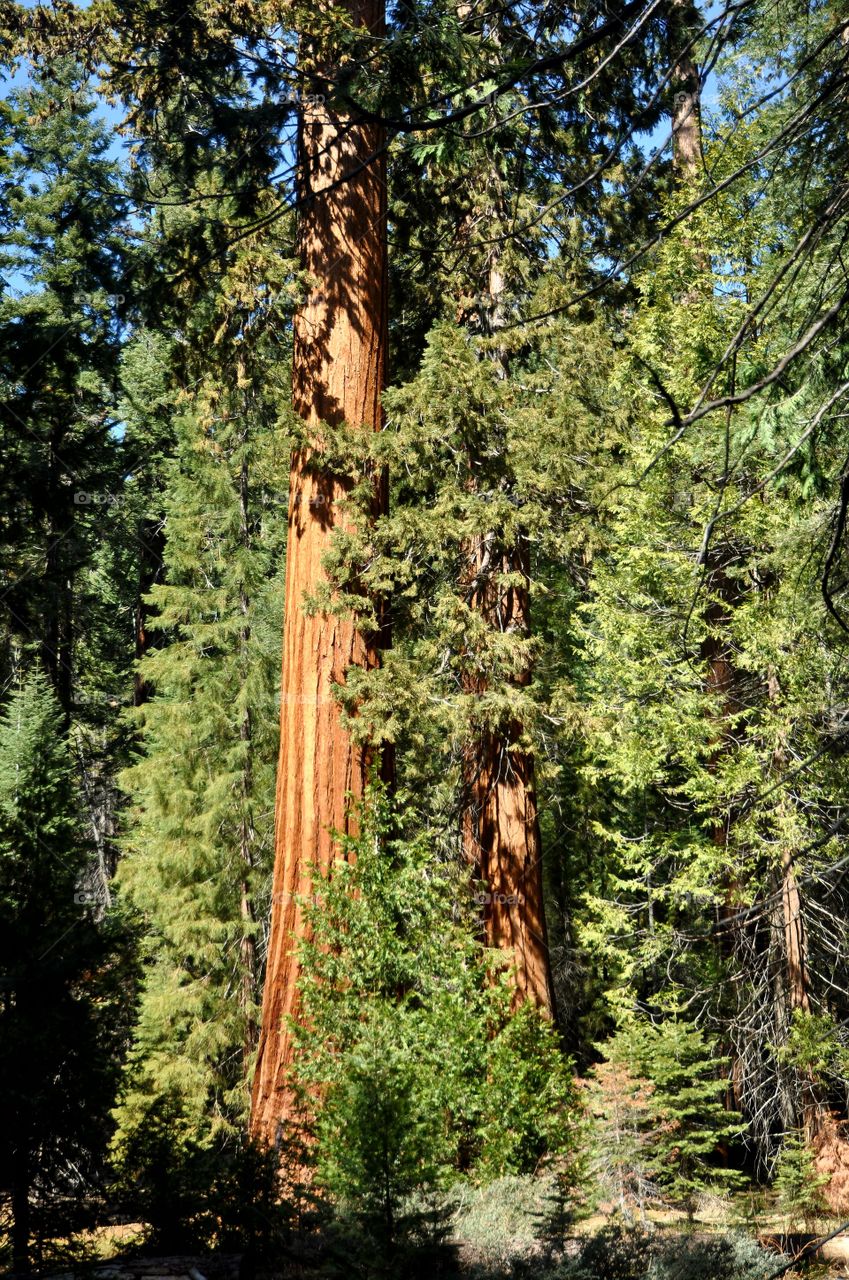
339	370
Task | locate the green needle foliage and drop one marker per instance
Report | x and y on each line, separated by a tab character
408	1038
64	989
798	1184
64	256
671	1135
198	849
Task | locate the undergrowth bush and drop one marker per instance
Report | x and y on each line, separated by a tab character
426	1074
636	1253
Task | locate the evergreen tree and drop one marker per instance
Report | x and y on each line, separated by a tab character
797	1183
202	532
64	989
675	1134
198	844
703	630
66	254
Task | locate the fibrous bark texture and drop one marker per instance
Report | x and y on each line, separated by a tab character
501	834
339	375
686	111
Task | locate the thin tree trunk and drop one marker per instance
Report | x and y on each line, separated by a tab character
716	652
57	636
719	681
339	375
793	992
151	545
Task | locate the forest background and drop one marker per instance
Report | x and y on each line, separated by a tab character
516	332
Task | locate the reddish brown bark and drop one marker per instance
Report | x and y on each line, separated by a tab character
686	110
339	374
501	835
500	820
795	948
794	992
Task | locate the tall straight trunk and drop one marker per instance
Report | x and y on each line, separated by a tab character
151	550
720	678
792	988
686	82
796	977
339	375
58	623
500	819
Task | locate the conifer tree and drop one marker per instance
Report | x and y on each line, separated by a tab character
59	347
338	375
677	1120
703	552
199	842
62	1018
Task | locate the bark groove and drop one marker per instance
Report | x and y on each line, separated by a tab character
338	376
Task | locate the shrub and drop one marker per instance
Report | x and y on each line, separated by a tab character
424	1071
797	1184
632	1253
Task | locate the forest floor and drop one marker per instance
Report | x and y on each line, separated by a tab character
115	1253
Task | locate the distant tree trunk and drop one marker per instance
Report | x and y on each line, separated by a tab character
58	628
792	992
500	820
686	82
339	375
683	19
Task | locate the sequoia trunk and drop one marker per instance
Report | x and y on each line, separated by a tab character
339	374
686	110
501	835
500	820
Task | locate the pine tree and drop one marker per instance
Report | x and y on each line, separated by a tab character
66	251
198	847
64	992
